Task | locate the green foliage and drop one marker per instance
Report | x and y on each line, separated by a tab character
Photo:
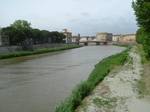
85	88
17	32
104	102
143	38
21	24
142	12
140	50
21	31
144	82
140	36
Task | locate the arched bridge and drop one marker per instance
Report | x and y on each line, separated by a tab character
94	41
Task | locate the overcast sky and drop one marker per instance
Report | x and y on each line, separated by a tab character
80	16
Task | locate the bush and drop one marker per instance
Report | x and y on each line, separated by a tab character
142	12
143	38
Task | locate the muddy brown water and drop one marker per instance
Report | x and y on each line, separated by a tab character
38	83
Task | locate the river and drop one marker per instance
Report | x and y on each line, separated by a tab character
38	83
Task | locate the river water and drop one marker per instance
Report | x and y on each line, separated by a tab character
38	83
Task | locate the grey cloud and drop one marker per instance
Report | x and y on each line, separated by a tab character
81	16
85	14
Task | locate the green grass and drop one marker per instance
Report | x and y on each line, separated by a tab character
104	102
142	53
144	82
122	45
142	87
38	51
85	88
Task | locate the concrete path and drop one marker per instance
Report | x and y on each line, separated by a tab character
119	91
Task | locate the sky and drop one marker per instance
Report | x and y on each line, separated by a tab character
86	17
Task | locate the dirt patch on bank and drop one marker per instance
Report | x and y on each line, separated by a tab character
146	77
119	91
144	83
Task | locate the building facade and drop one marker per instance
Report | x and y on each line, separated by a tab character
68	35
84	39
104	37
116	38
4	40
128	38
76	39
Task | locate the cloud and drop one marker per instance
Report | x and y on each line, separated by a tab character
85	14
81	16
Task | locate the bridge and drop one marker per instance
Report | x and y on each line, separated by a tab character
97	41
94	41
100	38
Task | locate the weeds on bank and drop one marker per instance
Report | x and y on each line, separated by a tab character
144	82
142	53
101	102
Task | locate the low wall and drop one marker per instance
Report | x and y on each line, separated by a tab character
9	49
38	46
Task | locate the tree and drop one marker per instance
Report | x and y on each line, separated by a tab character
57	37
36	36
140	36
21	24
142	12
45	35
7	32
22	29
21	33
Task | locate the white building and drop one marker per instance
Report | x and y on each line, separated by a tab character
83	39
68	35
128	38
75	39
116	38
104	37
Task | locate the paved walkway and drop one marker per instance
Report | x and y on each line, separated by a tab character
119	92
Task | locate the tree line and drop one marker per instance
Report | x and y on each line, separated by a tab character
21	33
142	12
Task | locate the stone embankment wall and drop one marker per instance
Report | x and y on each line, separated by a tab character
8	49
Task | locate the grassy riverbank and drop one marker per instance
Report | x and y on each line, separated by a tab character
85	88
144	83
38	51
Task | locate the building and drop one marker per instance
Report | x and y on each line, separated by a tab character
104	37
4	39
125	39
75	39
84	39
116	38
128	38
68	35
91	38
